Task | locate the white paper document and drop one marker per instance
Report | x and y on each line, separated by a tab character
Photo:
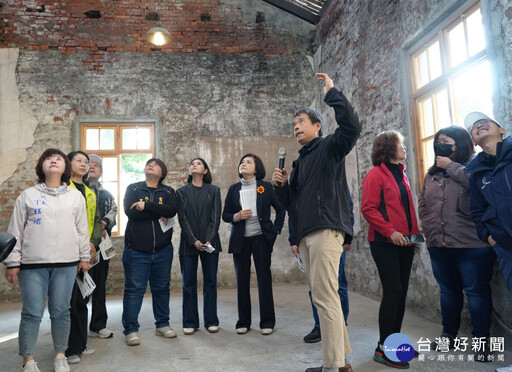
248	200
86	286
208	248
169	225
95	261
106	248
300	263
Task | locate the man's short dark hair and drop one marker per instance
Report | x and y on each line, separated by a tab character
207	178
162	165
384	147
66	176
259	167
314	116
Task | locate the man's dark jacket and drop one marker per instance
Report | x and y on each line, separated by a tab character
490	191
143	231
317	194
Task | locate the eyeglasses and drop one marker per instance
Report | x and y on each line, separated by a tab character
80	161
411	239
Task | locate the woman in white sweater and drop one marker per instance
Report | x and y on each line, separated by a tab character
50	223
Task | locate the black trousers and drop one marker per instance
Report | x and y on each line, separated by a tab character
394	265
78	331
261	251
99	275
79	313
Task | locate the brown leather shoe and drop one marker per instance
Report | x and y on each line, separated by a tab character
347	368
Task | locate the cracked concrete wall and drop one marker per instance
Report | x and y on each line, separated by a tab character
16	124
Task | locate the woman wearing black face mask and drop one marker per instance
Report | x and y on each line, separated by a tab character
460	260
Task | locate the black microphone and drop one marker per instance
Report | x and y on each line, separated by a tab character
282	156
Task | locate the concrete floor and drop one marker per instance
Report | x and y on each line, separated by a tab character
226	351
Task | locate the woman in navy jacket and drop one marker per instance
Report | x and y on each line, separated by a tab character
253	233
199	217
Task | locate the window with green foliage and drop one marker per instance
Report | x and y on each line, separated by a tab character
124	150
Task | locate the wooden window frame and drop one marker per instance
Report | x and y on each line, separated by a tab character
117	151
440	83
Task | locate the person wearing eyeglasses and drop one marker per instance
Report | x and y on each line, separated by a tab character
77	344
388	207
50	222
460	260
107	208
490	187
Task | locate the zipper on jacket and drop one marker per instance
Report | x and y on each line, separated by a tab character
153	223
318	204
506	179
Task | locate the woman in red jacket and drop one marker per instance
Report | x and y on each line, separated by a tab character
388	207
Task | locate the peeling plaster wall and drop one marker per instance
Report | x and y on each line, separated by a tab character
16	124
217	107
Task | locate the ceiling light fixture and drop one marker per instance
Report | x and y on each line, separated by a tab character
158	36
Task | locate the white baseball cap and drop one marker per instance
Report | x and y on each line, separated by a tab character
476	116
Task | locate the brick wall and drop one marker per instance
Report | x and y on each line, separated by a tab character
99	27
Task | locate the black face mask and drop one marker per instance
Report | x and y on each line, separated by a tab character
443	149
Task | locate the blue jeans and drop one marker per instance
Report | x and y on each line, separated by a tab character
209	264
139	268
505	260
342	291
468	269
36	286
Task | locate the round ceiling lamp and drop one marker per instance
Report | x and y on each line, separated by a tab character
158	36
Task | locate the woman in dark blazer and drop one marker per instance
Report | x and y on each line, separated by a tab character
199	217
253	233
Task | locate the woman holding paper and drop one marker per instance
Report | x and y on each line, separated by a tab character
199	217
44	262
77	344
147	256
247	207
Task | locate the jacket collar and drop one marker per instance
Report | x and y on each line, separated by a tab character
309	146
504	158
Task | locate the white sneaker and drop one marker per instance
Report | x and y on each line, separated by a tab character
132	339
213	329
60	363
31	366
88	351
102	333
266	331
189	331
73	359
166	332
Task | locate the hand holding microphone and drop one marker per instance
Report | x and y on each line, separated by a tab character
279	177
